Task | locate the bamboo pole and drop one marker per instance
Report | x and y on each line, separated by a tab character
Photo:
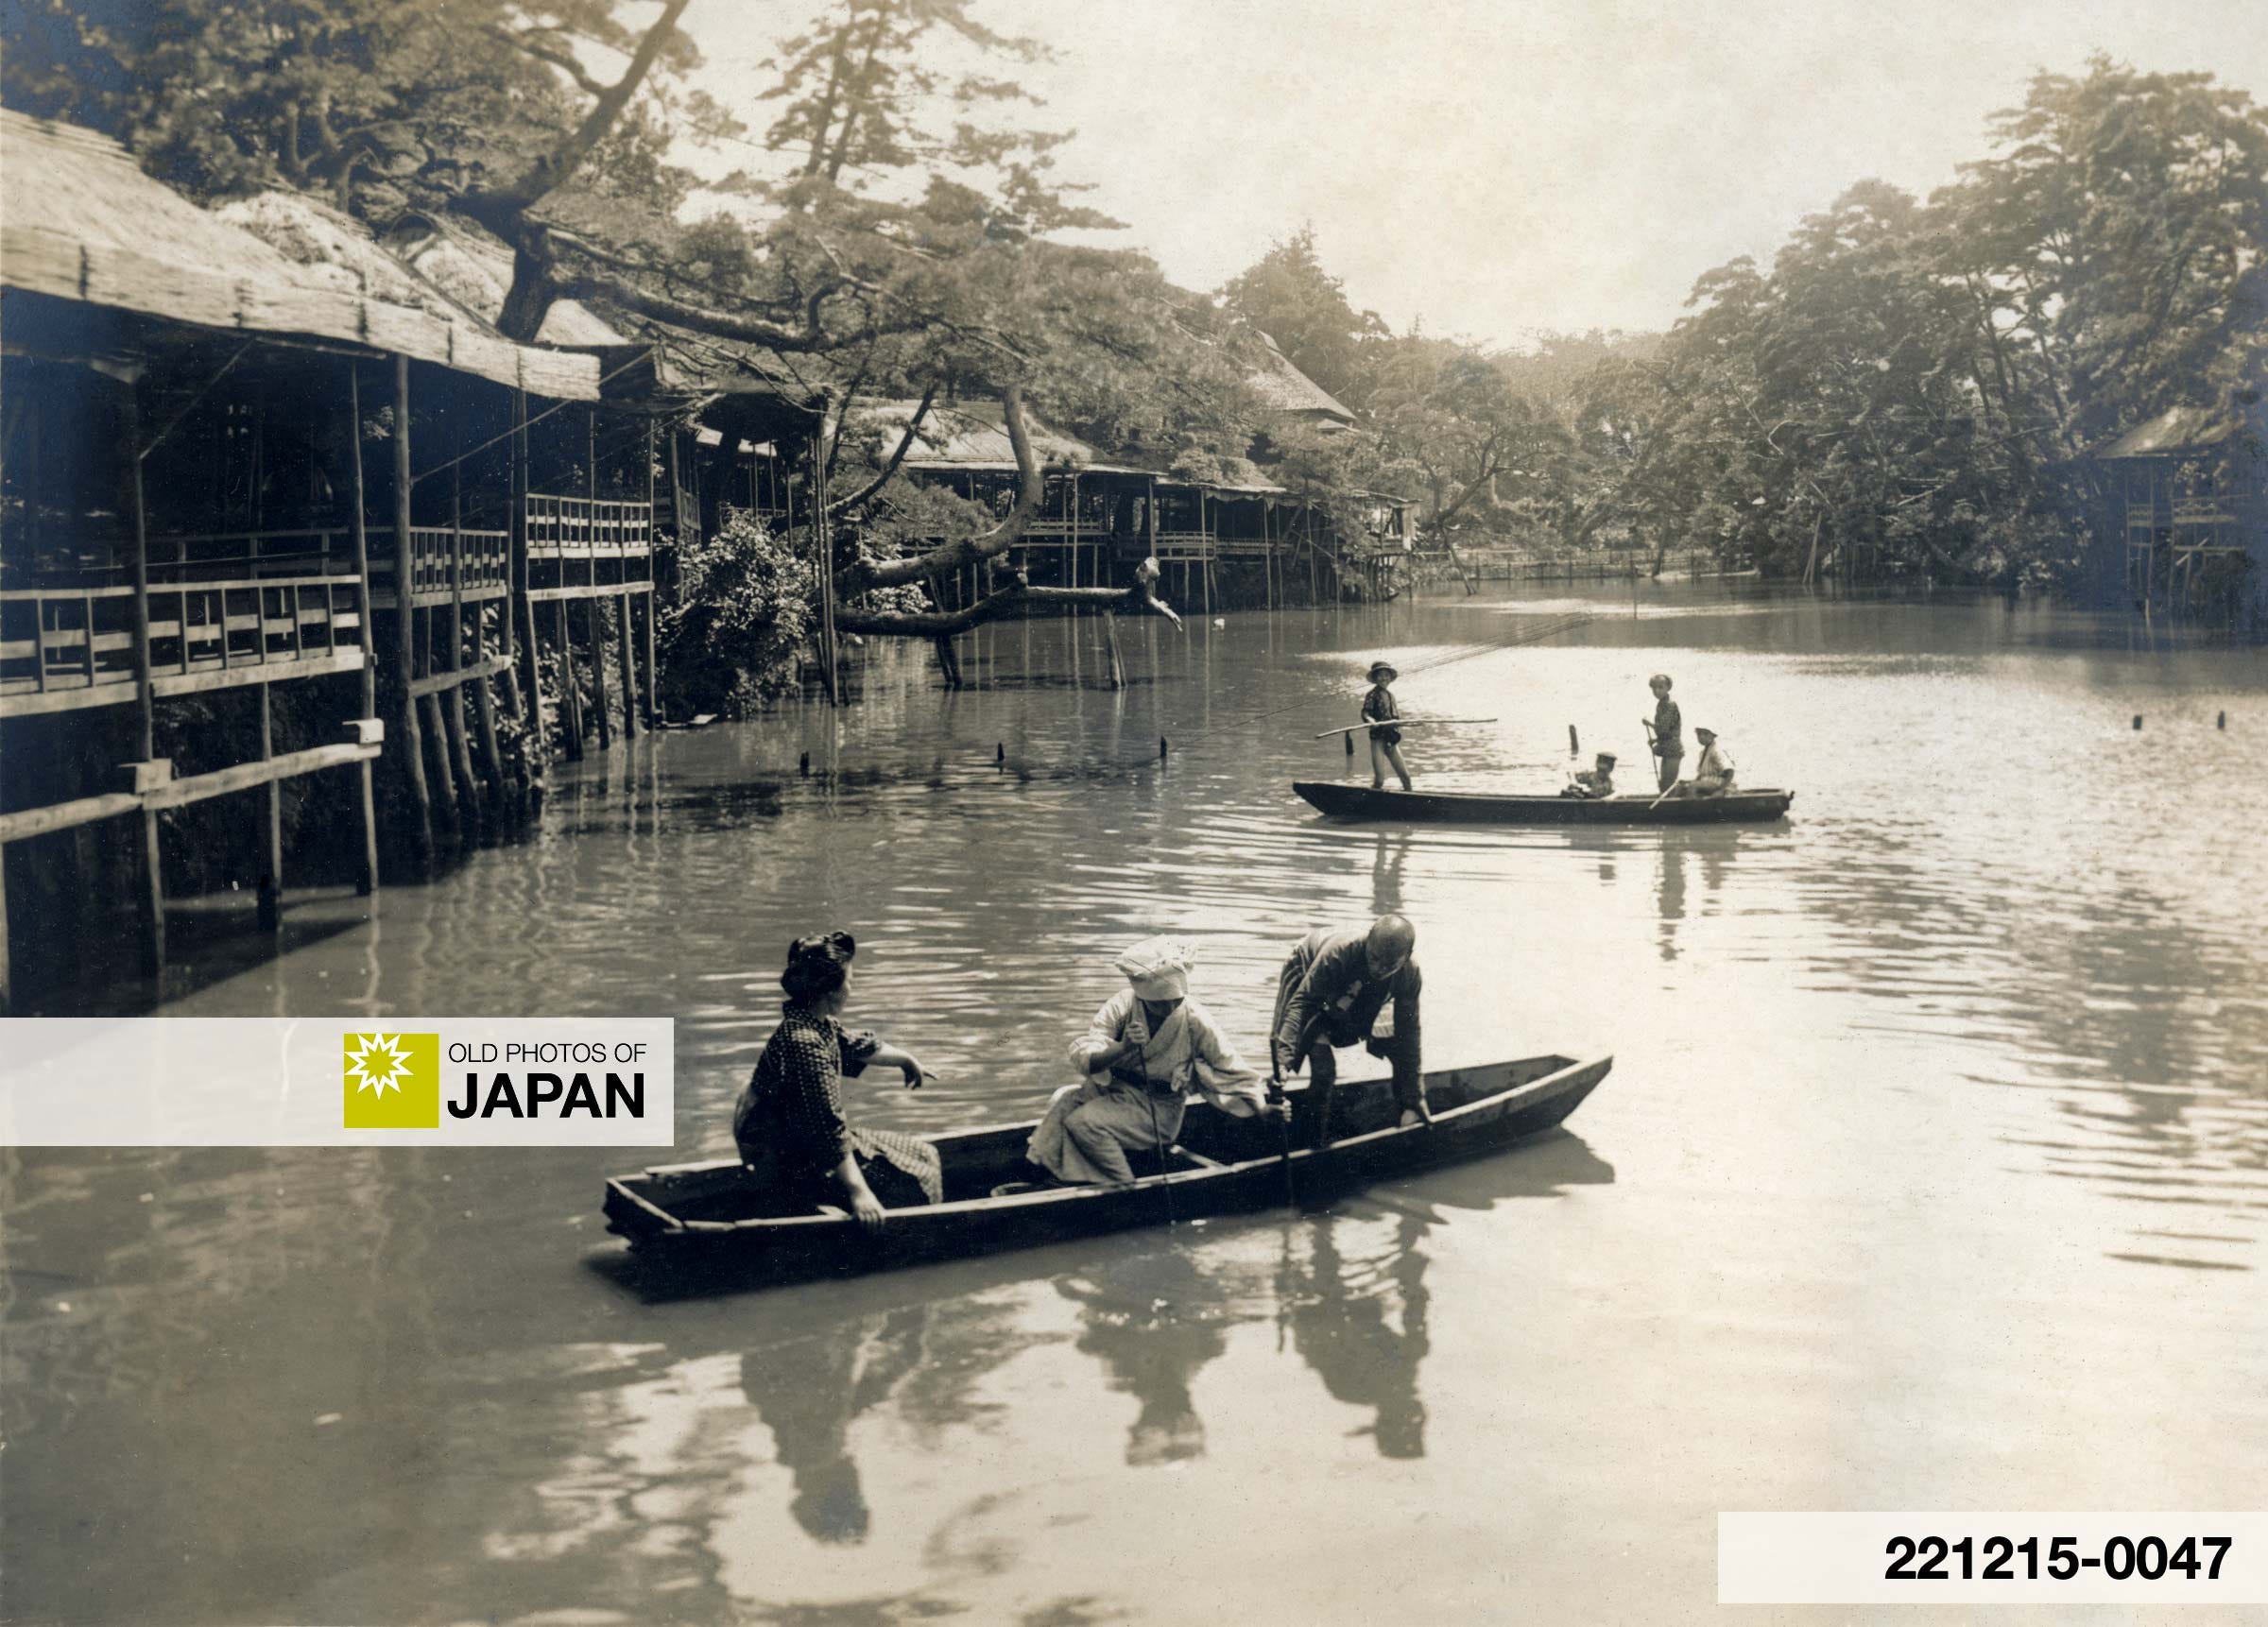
630	671
412	753
366	879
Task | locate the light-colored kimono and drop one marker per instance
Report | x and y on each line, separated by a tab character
1137	1103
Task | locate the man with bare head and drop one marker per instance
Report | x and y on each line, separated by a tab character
1351	988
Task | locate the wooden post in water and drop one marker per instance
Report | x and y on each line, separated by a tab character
598	620
366	880
444	781
152	898
271	798
630	672
653	700
412	753
571	689
521	603
476	793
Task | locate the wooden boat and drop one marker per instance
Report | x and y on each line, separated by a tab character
717	1213
1483	808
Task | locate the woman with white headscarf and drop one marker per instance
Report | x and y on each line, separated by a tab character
1147	1048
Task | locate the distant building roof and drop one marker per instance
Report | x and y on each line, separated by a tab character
1283	386
79	221
2175	429
970	434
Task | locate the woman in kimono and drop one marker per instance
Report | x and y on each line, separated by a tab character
789	1124
1147	1048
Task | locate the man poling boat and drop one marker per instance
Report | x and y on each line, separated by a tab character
1383	722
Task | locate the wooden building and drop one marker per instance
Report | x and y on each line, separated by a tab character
233	476
2191	491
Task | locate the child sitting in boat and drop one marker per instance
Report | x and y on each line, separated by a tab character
1599	782
1712	774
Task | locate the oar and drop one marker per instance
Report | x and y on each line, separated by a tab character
1398	723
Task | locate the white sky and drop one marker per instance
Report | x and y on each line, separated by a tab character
1495	167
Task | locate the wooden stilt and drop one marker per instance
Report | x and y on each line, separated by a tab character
483	717
153	889
571	689
520	604
411	756
629	669
598	672
471	814
271	883
652	538
445	778
653	670
366	877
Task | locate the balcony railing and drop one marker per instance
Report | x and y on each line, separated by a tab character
71	643
560	527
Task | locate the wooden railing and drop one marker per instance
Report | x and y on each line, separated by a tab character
559	526
435	561
62	640
1177	545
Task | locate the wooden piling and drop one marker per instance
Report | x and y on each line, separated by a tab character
412	753
629	673
152	893
1118	667
271	883
471	815
436	739
484	714
598	672
571	689
519	603
366	877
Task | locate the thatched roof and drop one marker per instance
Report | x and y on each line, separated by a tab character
79	221
1283	386
969	435
2175	431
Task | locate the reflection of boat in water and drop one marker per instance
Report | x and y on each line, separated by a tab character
1223	1165
1483	808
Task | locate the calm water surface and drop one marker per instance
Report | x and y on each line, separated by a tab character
1932	1172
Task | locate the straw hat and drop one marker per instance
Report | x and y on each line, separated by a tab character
1382	672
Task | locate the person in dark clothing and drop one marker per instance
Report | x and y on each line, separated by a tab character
1667	731
1385	742
789	1123
1352	988
1599	782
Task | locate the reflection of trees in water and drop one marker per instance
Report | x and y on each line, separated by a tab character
2111	990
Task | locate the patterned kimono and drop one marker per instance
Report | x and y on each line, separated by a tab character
1137	1103
789	1123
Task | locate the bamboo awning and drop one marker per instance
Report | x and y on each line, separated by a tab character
78	221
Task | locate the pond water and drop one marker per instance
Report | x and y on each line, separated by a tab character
1932	1170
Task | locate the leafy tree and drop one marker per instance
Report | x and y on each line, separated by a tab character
1287	294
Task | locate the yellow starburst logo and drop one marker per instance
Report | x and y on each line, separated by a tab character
393	1081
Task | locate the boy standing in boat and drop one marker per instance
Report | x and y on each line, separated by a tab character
1385	742
1351	988
1667	731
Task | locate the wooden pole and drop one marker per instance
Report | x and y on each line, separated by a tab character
445	778
475	794
271	882
412	753
823	549
571	689
522	604
598	672
653	704
484	714
366	879
153	878
630	671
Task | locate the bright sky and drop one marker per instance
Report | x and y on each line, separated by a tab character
1495	167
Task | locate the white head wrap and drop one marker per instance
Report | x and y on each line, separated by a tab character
1159	968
